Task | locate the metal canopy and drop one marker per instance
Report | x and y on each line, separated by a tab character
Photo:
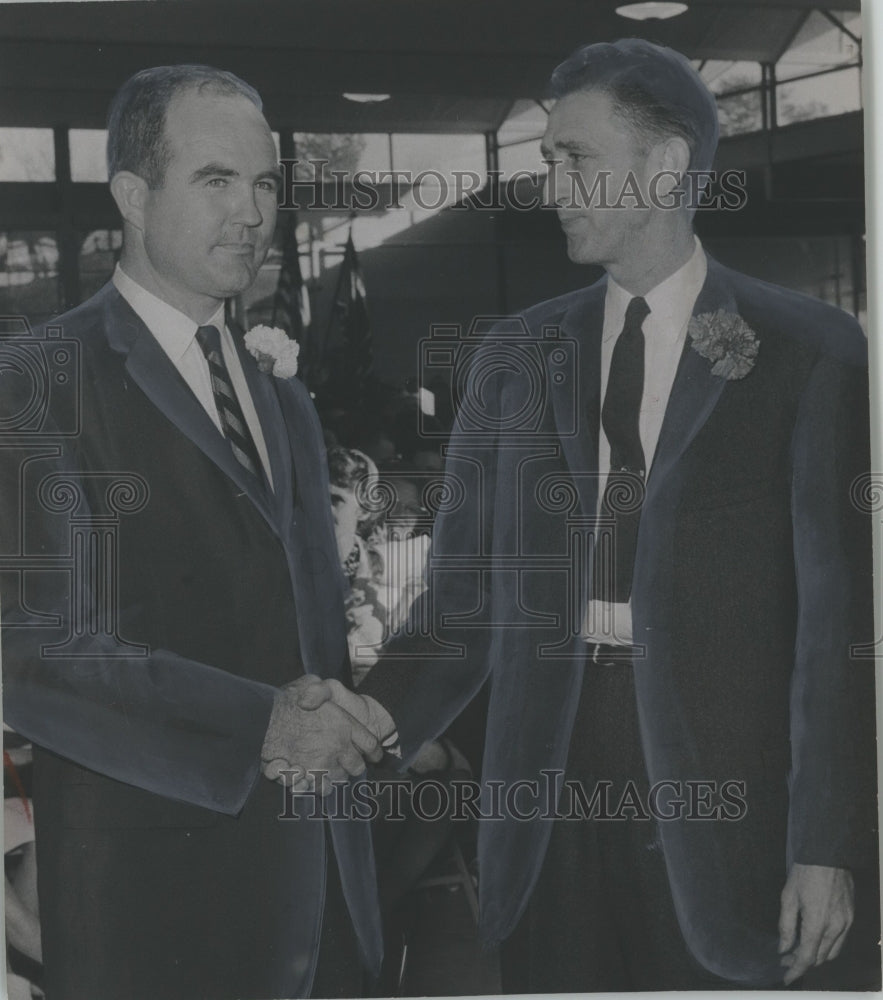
450	65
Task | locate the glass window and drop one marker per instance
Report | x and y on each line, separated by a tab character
830	268
428	160
819	96
526	120
519	138
525	156
88	154
438	152
740	113
375	151
343	151
722	76
428	163
99	252
29	282
442	168
27	154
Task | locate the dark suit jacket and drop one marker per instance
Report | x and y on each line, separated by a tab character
752	579
163	869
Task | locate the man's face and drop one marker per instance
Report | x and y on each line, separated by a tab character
207	230
588	138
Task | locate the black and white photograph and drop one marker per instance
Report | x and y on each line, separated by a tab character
440	497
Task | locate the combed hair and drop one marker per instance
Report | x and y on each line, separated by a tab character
136	139
654	90
652	119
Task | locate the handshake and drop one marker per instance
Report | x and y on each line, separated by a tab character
321	730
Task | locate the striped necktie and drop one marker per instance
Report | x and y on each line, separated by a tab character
235	427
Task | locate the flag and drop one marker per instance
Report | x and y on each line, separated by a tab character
349	326
291	301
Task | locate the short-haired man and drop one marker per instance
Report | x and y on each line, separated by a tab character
163	869
695	687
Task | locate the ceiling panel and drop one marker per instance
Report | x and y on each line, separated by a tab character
451	65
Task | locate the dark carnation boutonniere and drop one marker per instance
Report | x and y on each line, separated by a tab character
725	339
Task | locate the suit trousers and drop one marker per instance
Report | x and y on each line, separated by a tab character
339	969
601	918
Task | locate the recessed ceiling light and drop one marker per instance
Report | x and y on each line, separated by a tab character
653	10
367	98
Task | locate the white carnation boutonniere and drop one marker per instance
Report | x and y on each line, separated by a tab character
725	339
274	351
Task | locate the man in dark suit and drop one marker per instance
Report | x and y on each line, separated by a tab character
195	587
655	550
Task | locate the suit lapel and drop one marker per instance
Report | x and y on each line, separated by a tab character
317	579
155	374
694	394
695	391
266	402
583	322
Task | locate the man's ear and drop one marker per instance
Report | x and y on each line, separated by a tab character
671	157
130	193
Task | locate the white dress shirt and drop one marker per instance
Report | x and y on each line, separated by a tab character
176	335
665	330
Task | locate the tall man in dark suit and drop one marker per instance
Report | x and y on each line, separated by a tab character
164	699
654	552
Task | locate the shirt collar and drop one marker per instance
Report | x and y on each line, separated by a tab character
671	301
172	329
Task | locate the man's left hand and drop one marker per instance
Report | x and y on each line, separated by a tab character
817	912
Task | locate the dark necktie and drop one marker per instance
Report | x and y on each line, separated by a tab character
235	428
623	494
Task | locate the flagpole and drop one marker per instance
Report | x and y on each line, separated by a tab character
349	327
291	308
340	275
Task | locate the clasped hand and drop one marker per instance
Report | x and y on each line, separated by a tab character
318	730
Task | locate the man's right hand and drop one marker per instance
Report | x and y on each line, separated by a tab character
369	712
324	738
